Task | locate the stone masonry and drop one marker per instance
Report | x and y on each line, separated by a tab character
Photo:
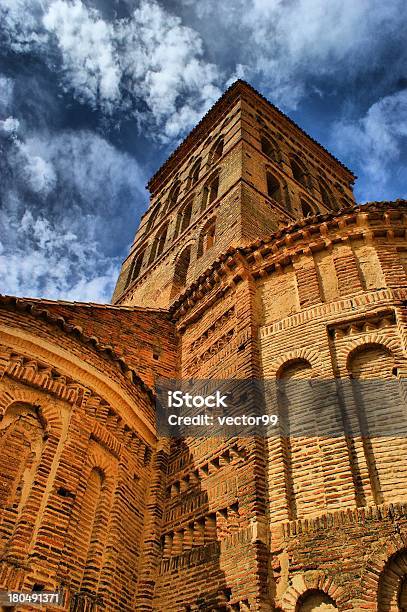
253	261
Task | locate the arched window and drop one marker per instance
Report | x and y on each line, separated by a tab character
152	217
268	149
207	237
196	168
370	404
183	218
173	195
21	447
210	192
91	528
327	196
294	400
299	172
306	209
181	271
217	151
158	244
136	266
274	188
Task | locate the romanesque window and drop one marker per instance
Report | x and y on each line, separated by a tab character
21	446
173	195
216	152
183	218
153	217
158	244
299	172
210	192
297	405
269	149
136	266
374	402
91	527
181	271
327	196
196	168
207	237
306	209
274	188
392	591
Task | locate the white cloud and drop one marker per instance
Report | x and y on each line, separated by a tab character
376	140
164	62
284	44
89	60
10	125
47	262
20	21
39	173
65	207
150	56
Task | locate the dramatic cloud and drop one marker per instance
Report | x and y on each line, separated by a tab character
289	45
376	142
95	94
89	60
88	191
20	25
162	60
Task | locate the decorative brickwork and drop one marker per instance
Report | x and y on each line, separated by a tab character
252	262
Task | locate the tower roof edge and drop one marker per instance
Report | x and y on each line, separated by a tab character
235	90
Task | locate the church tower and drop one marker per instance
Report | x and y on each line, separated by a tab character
244	171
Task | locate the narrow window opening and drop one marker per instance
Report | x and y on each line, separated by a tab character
214	188
273	188
306	209
268	149
136	267
196	168
217	151
299	173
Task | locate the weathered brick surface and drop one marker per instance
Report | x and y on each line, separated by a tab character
243	286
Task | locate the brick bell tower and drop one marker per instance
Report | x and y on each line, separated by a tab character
243	172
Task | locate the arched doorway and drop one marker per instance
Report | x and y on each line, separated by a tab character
392	591
315	601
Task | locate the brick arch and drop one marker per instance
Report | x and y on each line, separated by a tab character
369	340
185	244
94	500
48	411
315	582
97	459
365	346
374	581
202	232
304	354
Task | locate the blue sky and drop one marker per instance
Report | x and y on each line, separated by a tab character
94	95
